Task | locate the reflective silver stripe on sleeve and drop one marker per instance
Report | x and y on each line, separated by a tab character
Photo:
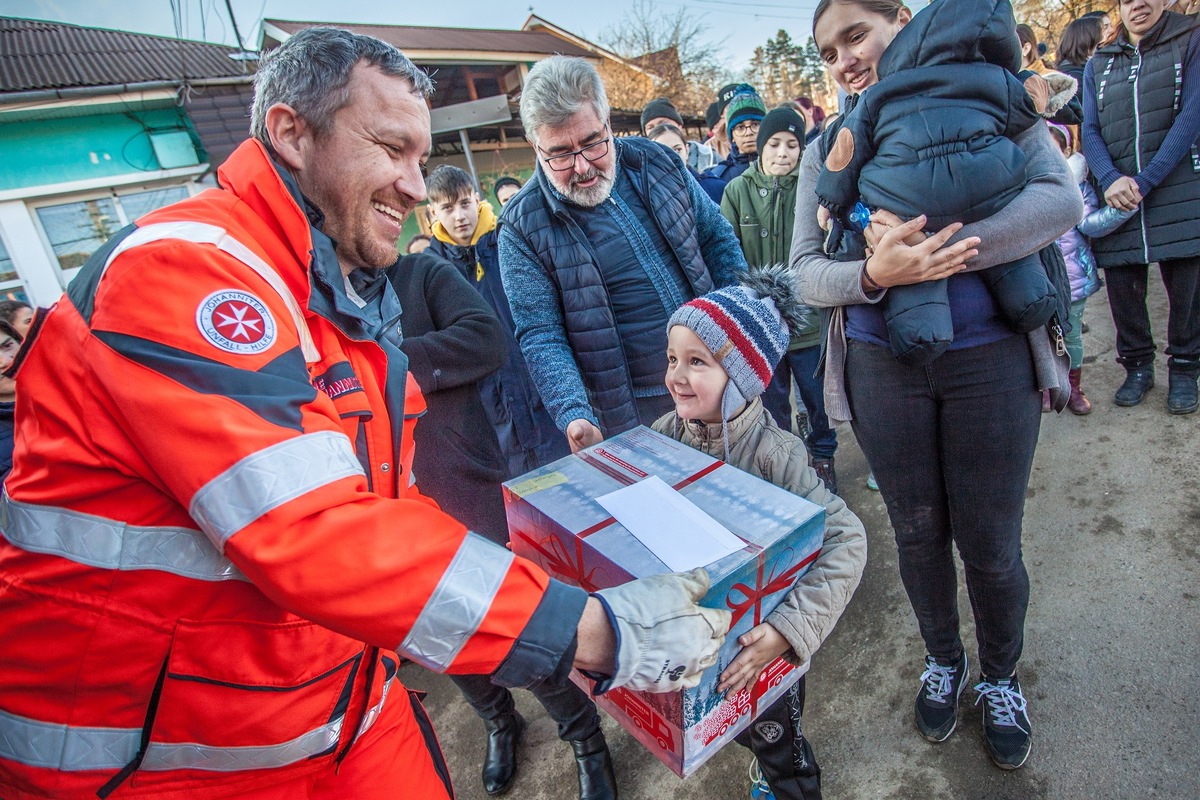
458	604
269	478
71	748
110	544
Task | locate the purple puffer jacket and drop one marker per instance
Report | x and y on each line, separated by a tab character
1098	220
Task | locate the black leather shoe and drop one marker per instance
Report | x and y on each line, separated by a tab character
1137	382
1182	395
500	763
597	781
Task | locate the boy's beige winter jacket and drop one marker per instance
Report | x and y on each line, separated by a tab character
760	447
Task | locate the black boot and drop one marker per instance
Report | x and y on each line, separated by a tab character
597	781
1182	392
1138	381
500	763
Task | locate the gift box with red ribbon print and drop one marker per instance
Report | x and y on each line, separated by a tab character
554	519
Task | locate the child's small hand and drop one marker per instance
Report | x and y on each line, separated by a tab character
761	645
823	218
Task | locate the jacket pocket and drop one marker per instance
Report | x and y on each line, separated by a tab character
242	696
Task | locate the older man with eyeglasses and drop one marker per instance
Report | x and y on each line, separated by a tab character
614	238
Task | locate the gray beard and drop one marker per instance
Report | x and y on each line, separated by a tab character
593	195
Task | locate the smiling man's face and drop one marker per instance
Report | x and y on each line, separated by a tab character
365	172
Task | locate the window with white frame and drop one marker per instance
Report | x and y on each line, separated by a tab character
11	285
77	229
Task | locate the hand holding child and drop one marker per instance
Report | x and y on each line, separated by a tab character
823	218
761	645
883	221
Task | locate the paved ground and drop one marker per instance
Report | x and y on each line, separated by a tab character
1112	544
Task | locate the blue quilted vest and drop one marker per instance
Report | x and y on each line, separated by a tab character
543	220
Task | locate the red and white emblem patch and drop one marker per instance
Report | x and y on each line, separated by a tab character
236	322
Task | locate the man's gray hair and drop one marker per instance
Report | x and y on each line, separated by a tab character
557	88
311	73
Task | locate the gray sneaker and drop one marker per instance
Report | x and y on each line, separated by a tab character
937	702
1006	728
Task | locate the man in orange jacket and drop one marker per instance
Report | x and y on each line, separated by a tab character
212	545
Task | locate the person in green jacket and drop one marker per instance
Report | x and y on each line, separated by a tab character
761	205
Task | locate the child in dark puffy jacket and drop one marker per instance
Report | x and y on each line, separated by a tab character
943	113
1098	220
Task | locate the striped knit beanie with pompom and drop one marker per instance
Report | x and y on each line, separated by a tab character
746	335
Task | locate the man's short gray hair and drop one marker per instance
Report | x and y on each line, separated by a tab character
556	89
311	73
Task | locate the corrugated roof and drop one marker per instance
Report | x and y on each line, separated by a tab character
412	38
53	55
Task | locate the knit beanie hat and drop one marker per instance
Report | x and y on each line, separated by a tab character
505	180
726	93
742	107
780	120
746	335
661	107
712	115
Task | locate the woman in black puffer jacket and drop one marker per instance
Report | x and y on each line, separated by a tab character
1141	121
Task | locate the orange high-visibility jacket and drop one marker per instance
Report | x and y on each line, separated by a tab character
212	548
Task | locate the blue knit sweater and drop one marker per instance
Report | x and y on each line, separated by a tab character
537	307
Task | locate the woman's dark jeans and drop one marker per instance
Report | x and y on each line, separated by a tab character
951	445
1127	287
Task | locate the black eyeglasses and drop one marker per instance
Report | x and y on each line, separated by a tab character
565	161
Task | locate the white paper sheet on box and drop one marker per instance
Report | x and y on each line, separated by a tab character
672	527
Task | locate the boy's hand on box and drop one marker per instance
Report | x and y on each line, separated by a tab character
761	645
665	640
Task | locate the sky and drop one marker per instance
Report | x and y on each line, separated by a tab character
737	26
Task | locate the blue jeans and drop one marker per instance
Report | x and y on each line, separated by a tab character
565	702
802	364
951	445
1074	336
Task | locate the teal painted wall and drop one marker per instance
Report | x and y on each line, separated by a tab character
40	152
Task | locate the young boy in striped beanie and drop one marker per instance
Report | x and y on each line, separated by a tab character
721	351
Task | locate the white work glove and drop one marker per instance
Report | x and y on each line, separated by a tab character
665	640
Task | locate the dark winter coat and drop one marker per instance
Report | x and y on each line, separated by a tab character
1134	97
6	438
453	341
528	436
714	180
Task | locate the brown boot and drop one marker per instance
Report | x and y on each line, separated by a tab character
1078	403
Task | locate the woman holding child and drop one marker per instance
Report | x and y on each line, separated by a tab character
951	442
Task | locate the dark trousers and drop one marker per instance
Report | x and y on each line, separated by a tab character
1127	301
776	737
802	364
951	445
565	702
